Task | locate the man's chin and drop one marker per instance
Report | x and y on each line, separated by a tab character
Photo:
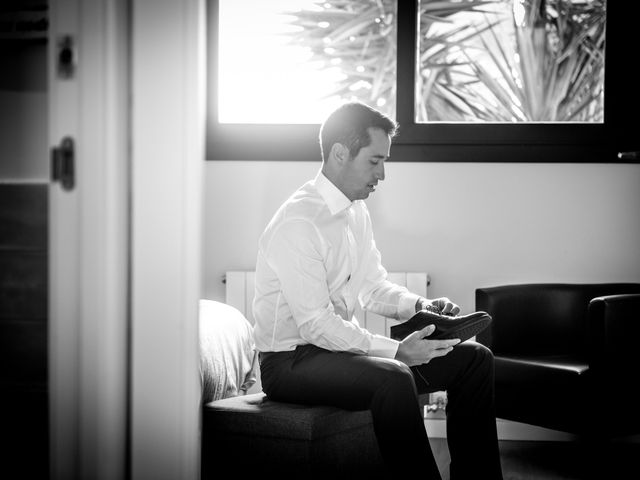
367	192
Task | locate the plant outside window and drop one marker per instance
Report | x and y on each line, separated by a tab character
478	60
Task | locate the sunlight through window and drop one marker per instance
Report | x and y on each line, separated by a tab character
295	61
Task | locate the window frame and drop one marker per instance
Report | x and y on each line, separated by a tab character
448	142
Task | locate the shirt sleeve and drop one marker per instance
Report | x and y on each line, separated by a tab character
296	254
378	294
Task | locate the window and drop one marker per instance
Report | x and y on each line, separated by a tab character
294	61
409	59
510	61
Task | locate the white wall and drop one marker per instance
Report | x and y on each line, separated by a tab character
467	224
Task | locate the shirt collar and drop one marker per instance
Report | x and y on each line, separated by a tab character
333	197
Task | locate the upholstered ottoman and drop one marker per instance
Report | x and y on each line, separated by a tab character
249	435
252	433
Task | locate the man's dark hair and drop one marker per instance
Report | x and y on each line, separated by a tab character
348	125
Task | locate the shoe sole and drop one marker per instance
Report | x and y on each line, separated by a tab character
465	331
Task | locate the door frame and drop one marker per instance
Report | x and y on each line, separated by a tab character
124	246
168	126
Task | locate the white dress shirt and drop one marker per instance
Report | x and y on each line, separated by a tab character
316	258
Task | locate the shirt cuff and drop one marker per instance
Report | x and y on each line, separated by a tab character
384	347
407	306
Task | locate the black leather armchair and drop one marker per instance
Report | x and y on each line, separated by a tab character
567	356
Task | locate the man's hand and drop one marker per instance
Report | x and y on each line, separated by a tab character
415	349
443	304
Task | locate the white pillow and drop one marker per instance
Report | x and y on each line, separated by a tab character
228	358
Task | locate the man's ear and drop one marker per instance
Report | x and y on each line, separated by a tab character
340	152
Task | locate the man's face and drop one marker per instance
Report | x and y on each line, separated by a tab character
361	174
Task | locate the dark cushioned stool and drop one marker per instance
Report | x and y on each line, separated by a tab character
252	433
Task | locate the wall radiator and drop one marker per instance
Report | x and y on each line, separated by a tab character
240	290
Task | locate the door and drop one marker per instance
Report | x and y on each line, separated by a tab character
88	239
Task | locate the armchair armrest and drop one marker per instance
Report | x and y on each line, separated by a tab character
613	334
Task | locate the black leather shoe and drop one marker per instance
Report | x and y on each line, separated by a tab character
463	327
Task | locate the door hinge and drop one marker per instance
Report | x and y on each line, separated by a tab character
66	57
63	163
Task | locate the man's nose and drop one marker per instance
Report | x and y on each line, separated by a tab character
380	171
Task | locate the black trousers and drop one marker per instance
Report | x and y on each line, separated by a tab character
389	388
